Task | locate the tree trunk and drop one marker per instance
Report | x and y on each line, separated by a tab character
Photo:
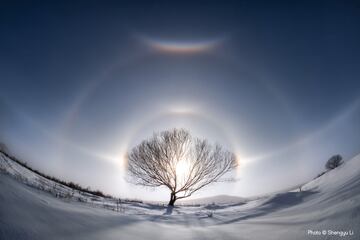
172	199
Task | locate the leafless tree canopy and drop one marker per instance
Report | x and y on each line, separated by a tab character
180	162
334	162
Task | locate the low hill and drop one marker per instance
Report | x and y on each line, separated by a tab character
219	199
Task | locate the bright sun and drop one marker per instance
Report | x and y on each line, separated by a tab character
182	169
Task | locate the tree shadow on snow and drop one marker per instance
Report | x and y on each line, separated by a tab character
276	203
169	210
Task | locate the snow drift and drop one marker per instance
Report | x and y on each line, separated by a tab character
33	207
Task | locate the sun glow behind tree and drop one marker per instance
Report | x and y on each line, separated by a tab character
178	161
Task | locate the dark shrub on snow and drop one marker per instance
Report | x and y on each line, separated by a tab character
334	162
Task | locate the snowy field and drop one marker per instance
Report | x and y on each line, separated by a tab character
33	207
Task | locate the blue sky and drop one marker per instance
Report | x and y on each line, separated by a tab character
276	83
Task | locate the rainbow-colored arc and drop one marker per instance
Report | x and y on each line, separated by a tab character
183	47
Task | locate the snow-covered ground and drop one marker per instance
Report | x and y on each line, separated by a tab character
33	207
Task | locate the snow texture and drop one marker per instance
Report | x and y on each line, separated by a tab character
33	207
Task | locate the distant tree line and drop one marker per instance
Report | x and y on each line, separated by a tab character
68	184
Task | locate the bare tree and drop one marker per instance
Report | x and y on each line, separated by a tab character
178	161
334	162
